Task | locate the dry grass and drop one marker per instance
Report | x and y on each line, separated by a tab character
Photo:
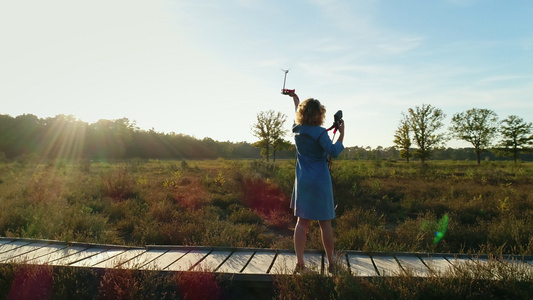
382	206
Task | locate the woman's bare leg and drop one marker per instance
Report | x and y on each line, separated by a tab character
300	237
328	239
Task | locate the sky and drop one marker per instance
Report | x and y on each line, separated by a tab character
207	68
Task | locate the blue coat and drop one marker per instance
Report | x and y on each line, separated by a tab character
312	196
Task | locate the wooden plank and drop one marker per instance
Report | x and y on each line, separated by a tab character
236	262
458	260
10	247
521	268
361	265
412	265
4	241
285	263
59	257
489	264
528	263
188	260
139	258
437	264
121	260
313	260
20	254
341	261
164	260
147	257
77	258
253	263
386	265
483	261
33	257
93	260
260	262
213	260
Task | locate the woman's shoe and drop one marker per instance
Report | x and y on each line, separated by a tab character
333	269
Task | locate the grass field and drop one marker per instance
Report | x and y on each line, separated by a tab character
449	207
381	206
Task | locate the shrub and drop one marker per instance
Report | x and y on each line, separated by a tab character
32	282
156	285
118	284
358	229
264	197
7	275
309	286
75	283
467	281
244	215
118	183
199	285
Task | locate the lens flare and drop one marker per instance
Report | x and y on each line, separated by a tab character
442	226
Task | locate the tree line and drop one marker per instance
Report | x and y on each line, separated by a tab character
422	126
420	135
65	137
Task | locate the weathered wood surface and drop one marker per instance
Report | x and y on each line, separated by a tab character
243	263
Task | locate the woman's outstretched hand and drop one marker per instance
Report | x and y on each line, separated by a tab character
341	126
295	98
291	93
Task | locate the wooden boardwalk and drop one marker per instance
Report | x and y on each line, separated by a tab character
242	263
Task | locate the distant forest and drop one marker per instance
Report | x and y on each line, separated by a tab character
65	137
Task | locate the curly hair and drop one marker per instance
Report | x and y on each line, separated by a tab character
310	112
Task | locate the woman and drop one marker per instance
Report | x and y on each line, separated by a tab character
312	197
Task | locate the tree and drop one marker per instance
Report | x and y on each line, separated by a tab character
64	137
516	137
476	126
280	145
424	122
269	130
111	138
402	138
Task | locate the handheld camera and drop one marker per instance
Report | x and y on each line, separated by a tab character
337	119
